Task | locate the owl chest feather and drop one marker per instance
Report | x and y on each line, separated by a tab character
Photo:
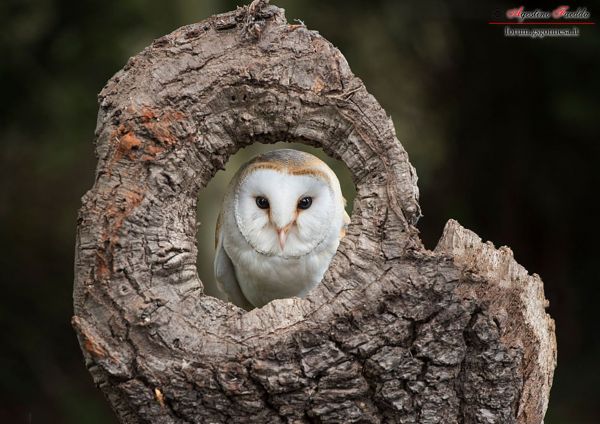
263	278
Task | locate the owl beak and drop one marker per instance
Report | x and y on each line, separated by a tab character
282	233
282	236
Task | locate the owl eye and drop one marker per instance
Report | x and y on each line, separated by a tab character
305	203
262	202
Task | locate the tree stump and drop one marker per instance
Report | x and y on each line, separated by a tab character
394	334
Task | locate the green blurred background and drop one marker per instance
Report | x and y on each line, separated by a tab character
503	132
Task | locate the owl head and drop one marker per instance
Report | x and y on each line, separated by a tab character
286	202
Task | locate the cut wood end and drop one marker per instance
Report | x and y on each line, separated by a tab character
508	286
483	258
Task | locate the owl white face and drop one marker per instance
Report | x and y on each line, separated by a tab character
281	214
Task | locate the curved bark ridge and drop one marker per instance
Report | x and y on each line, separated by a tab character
394	333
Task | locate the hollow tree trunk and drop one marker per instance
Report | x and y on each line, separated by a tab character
394	333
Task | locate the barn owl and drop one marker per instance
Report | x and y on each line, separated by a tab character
281	222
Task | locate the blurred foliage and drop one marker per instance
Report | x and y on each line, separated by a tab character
503	132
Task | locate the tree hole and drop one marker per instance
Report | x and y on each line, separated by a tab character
211	197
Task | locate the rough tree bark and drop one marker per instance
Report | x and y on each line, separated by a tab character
394	334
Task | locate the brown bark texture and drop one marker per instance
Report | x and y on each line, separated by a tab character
394	334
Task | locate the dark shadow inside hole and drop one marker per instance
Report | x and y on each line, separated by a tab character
211	197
